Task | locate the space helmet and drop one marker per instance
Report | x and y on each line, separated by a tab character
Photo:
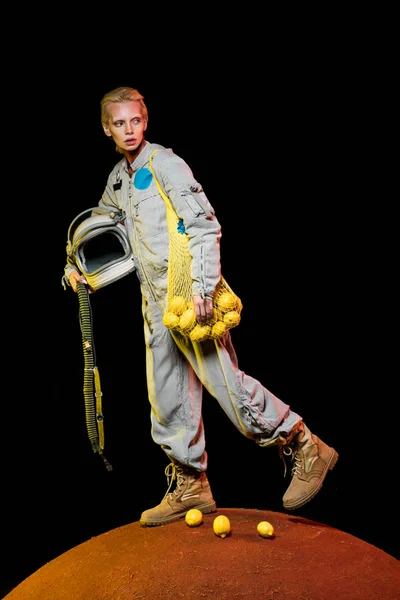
99	246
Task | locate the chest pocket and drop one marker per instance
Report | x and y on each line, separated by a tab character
118	187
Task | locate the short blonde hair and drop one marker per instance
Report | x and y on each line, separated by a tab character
121	94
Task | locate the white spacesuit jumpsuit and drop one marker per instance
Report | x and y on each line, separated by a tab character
177	368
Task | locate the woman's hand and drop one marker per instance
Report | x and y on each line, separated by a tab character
76	277
203	308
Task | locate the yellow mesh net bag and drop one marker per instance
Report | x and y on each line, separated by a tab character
179	312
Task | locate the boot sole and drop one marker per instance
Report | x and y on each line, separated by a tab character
329	466
205	509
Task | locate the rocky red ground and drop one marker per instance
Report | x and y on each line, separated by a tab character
305	560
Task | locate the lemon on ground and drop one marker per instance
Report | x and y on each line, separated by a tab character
171	320
221	526
232	318
218	329
226	301
177	305
265	529
194	517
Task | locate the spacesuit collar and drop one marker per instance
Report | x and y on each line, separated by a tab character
143	157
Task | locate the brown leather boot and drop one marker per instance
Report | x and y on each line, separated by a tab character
192	491
311	460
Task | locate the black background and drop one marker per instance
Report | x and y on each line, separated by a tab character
273	132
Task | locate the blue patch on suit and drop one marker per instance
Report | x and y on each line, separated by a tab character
143	179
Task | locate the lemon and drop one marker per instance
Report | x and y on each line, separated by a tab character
188	320
170	320
232	318
194	517
200	333
226	301
218	329
221	526
177	305
265	529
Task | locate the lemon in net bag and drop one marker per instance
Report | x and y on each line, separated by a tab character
179	312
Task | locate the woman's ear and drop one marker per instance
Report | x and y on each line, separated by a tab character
106	129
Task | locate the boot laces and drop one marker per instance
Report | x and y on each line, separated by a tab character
291	451
173	473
